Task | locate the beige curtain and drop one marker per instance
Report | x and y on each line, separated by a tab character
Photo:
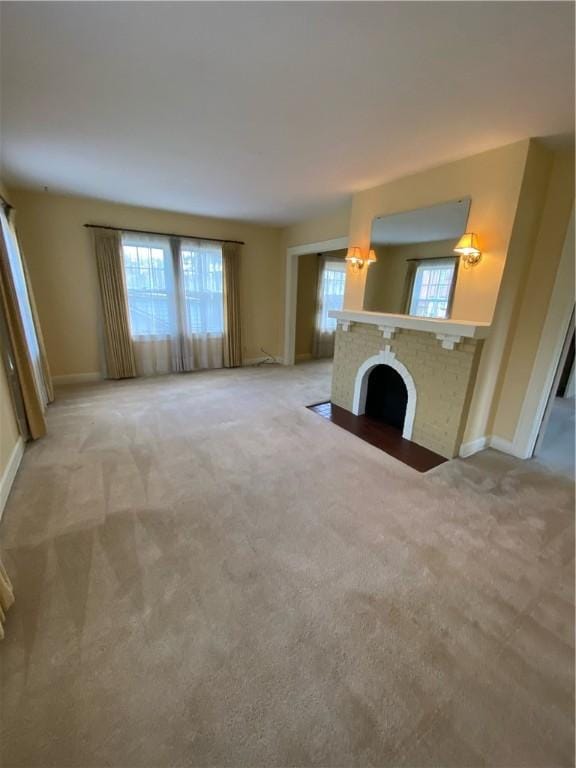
31	396
39	335
6	597
232	334
329	295
119	351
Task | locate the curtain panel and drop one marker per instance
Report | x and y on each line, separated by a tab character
232	330
6	597
120	360
45	366
330	296
15	296
170	304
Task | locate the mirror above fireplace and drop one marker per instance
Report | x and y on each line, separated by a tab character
416	268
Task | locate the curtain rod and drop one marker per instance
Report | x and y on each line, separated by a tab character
435	258
165	234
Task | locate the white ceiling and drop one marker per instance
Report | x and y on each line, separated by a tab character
271	111
424	225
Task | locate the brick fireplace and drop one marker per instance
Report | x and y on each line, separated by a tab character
436	360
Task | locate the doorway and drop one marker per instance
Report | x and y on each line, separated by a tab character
293	254
555	447
320	289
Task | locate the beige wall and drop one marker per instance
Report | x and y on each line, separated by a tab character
315	230
551	199
492	180
59	253
306	304
9	433
386	280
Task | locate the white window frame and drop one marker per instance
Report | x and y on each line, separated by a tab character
175	284
432	264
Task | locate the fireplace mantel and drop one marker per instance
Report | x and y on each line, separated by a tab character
448	332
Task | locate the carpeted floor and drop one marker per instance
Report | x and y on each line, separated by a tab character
209	574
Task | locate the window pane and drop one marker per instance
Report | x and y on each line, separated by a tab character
431	289
331	295
201	267
148	281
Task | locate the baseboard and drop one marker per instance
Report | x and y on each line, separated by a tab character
506	446
493	441
77	378
259	360
10	472
474	446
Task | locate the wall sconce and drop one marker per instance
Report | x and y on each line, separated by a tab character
468	249
354	258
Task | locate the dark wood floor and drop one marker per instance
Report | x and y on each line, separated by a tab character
380	435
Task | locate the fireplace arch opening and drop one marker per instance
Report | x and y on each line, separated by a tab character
386	396
385	358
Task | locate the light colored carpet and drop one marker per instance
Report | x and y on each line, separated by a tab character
557	449
208	574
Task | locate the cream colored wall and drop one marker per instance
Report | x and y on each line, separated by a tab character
9	433
316	230
60	257
492	180
552	180
386	289
306	304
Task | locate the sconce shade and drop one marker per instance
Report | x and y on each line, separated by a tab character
354	255
468	245
371	257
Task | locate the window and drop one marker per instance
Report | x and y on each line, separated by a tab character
331	293
203	291
432	288
23	299
149	284
173	286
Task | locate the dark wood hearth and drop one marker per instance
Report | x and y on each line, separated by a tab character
382	436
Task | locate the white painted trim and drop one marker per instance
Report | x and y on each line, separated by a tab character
448	340
474	446
505	446
552	339
10	472
77	378
387	331
465	328
385	357
492	441
291	291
